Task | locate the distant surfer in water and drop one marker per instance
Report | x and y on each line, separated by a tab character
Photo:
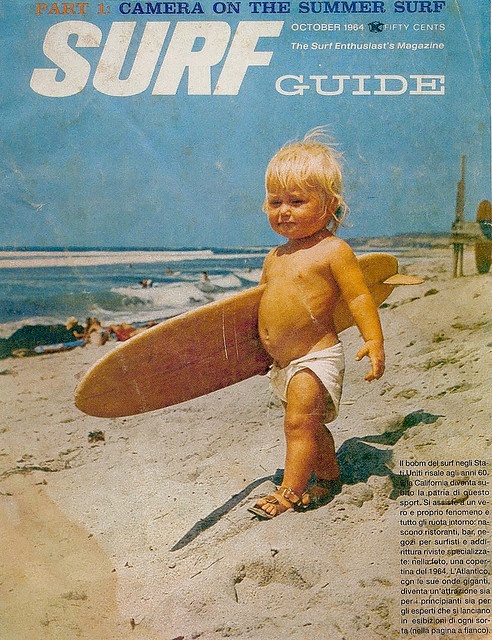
304	278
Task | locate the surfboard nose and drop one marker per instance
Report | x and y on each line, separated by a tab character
400	278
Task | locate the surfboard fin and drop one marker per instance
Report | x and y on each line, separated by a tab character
400	278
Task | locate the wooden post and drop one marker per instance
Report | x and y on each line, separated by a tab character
458	247
458	250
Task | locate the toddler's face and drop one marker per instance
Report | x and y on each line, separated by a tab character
295	214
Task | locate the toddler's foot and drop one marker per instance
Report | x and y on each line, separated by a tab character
276	503
320	493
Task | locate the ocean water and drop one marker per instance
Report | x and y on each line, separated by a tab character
48	286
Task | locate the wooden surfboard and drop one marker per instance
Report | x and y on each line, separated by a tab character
201	351
483	250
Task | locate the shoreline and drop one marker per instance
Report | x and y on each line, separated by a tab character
407	257
150	525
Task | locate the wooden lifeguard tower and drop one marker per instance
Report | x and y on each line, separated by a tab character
478	233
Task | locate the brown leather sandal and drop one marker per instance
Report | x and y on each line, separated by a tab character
283	499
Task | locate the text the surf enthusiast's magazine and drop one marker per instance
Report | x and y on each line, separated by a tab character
157	158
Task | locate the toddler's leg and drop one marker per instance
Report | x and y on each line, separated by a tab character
309	445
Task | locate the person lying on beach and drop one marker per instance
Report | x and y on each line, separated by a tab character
304	279
124	331
95	333
25	339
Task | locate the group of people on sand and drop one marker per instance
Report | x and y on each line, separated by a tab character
124	331
28	340
95	333
24	340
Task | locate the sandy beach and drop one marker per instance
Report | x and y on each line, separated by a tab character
141	531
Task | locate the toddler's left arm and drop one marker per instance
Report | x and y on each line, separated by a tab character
353	288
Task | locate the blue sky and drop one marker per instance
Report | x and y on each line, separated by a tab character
187	170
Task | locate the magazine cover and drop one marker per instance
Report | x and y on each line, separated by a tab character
155	483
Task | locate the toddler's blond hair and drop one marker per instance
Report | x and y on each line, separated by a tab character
311	164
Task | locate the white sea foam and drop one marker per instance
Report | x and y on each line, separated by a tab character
33	259
163	296
105	288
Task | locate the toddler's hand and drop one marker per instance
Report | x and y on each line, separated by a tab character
375	352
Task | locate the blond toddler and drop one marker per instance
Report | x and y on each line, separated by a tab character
305	278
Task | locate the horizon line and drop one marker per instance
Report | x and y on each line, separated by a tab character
406	234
